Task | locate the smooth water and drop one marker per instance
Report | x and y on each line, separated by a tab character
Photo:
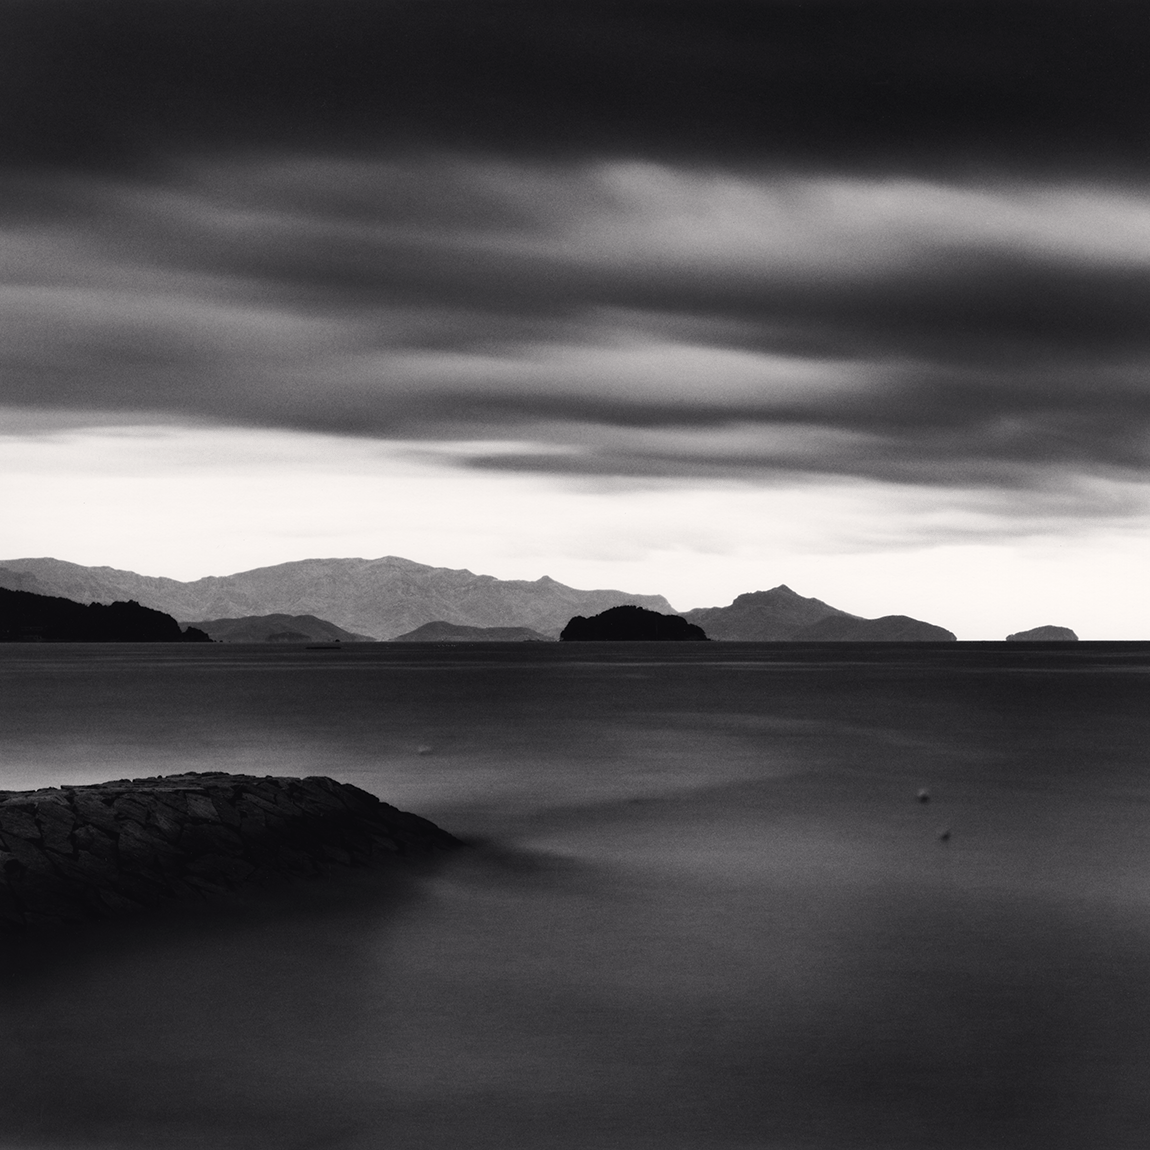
707	910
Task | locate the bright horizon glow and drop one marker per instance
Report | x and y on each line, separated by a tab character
186	502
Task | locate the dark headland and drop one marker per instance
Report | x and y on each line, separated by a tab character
84	853
28	617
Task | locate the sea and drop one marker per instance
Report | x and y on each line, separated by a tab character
717	896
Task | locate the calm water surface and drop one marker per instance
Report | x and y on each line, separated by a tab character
707	910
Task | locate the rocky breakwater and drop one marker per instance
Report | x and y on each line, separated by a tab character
79	854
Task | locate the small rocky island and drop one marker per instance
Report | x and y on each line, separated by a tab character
79	854
1048	634
631	624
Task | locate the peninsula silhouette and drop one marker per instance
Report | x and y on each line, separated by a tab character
26	617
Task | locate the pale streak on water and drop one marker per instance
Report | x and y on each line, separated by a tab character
710	912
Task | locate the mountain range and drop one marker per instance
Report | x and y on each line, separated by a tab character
393	598
380	598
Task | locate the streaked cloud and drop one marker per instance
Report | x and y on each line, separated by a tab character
647	319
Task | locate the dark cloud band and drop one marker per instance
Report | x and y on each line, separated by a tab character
847	83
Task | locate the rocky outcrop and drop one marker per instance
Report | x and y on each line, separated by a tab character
888	629
441	632
278	628
77	854
631	624
26	617
1043	635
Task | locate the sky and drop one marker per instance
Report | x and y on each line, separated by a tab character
689	297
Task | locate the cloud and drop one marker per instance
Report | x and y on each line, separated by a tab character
634	318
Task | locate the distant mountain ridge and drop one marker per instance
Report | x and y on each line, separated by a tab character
276	628
391	597
381	598
887	629
440	632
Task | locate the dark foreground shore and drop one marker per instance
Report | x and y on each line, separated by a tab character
85	853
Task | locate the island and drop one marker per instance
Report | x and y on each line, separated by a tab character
631	624
72	855
1047	634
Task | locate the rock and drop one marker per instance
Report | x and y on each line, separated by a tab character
201	807
18	821
1046	634
56	828
32	860
93	813
92	852
92	839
